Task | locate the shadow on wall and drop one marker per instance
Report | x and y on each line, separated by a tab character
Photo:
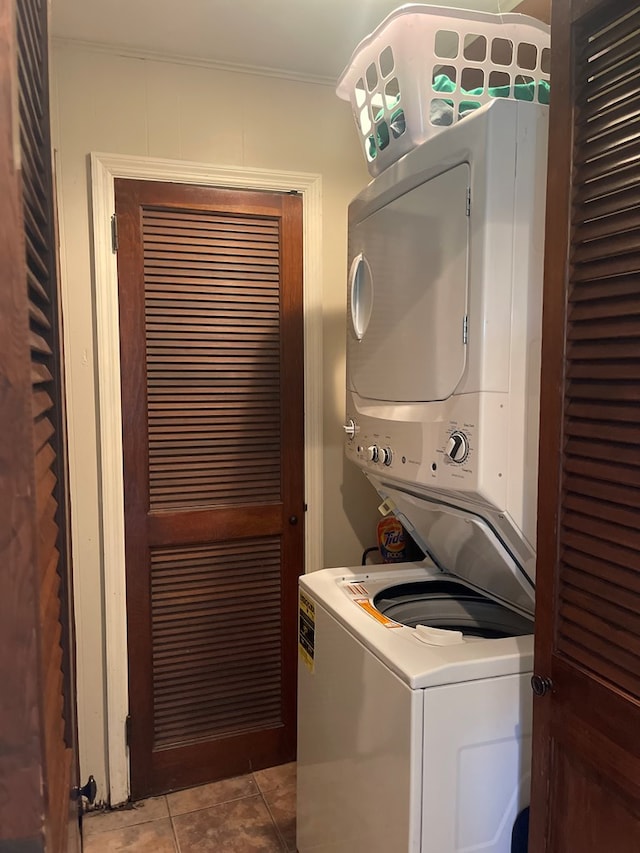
359	499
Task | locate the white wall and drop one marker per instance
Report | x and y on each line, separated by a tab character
121	105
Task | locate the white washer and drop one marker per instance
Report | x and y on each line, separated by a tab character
404	745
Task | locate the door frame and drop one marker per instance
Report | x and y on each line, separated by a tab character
105	168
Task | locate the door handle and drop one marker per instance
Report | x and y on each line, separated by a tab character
293	519
541	685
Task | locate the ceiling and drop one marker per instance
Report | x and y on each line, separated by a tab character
309	39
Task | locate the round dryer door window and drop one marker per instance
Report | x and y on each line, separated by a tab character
360	295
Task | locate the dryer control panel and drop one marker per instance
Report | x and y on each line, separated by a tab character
441	446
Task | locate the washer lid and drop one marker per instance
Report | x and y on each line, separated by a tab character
465	544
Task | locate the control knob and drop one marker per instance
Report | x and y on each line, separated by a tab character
350	428
457	448
373	453
386	456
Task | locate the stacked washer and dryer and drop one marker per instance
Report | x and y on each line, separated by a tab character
414	697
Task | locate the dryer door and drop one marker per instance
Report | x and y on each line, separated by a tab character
408	286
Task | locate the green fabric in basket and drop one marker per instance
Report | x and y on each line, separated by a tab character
443	83
521	91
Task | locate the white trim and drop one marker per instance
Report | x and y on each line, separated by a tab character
199	62
104	169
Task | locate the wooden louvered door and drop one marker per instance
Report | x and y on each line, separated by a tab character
38	762
212	391
586	771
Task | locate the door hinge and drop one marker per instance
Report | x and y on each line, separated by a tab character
465	329
114	233
468	210
127	730
89	791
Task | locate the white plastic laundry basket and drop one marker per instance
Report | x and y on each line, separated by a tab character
426	67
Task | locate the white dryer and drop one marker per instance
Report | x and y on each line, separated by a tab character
414	718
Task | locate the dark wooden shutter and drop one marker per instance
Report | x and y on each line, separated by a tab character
599	625
586	792
210	286
37	753
48	414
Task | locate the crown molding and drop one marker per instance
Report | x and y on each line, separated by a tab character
128	52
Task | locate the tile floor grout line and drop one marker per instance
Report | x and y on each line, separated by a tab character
97	831
176	843
213	805
281	837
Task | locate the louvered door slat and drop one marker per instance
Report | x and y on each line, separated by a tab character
602	87
30	30
617	222
179	671
586	506
610	244
201	250
36	287
591	638
622	392
624	537
605	490
619	265
203	288
204	218
627	198
33	181
604	118
602	450
29	112
603	616
617	32
171	661
43	430
606	184
599	470
623	433
223	242
608	50
588	578
611	150
201	229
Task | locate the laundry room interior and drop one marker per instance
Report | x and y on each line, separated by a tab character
333	312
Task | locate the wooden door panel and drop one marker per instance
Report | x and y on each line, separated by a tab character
580	797
211	350
586	771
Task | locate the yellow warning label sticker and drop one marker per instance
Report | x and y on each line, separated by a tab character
307	630
380	617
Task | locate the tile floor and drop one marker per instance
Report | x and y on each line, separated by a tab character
256	812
